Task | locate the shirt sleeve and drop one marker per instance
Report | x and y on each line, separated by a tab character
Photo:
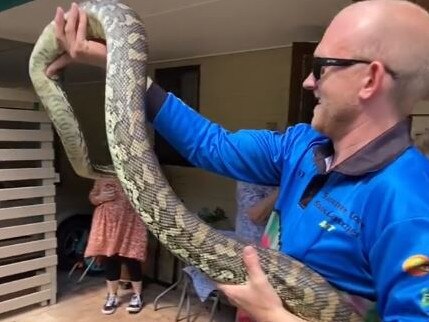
248	155
399	260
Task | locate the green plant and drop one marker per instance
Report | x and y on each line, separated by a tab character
210	216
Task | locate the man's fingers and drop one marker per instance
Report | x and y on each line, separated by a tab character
57	65
70	26
251	261
81	28
59	26
230	290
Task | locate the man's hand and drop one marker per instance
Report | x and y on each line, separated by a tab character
70	32
257	297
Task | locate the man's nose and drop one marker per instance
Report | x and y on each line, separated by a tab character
309	83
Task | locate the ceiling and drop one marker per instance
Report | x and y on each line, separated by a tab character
179	29
187	28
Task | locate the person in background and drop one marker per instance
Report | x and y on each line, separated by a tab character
120	237
254	205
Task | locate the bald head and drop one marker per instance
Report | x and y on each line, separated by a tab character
394	32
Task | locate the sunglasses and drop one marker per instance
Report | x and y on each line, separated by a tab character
319	62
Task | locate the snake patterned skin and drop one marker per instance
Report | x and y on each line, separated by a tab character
303	291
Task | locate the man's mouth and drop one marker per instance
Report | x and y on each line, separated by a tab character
318	100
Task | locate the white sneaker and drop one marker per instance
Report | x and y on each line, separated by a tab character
111	304
136	304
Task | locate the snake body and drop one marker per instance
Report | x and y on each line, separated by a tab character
303	291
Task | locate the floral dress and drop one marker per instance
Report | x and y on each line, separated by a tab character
116	228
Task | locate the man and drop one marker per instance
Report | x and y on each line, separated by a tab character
353	199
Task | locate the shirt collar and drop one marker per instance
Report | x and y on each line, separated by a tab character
372	157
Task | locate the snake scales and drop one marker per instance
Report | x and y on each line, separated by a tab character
302	291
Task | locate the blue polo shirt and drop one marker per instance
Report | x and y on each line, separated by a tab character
363	225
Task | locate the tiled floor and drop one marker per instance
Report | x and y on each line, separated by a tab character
82	303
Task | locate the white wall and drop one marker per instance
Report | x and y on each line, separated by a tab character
246	90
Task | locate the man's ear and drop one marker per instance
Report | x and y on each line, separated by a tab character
373	80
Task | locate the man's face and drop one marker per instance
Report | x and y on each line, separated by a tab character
336	90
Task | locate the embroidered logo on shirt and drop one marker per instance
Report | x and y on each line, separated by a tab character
335	220
424	302
416	265
327	226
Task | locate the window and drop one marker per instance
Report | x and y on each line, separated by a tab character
301	101
184	82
